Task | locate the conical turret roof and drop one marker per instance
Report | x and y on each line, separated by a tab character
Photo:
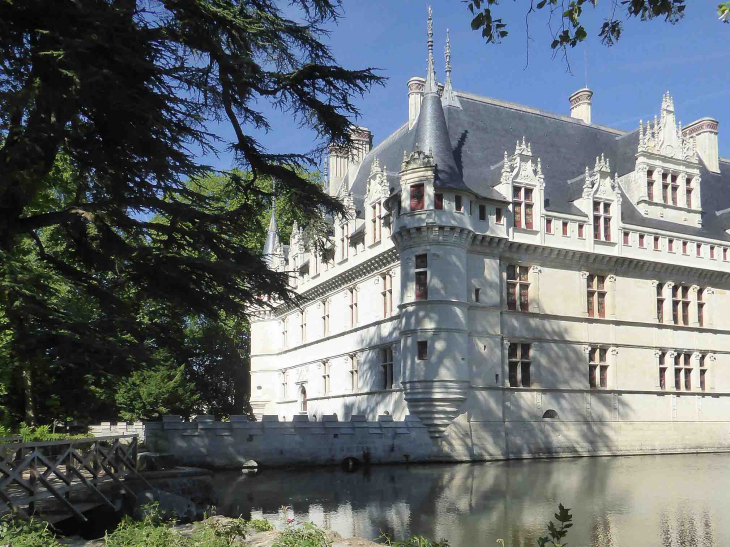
272	235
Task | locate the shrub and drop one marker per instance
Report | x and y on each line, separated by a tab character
415	541
308	535
20	533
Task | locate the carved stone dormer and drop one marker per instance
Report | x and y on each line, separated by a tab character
377	186
666	181
601	201
522	181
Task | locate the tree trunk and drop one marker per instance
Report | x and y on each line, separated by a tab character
30	416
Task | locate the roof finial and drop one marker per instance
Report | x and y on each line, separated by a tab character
431	85
447	55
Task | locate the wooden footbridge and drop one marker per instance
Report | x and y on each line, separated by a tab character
57	479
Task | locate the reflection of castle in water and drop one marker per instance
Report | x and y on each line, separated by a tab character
615	501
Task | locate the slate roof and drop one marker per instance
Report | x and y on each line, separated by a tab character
482	129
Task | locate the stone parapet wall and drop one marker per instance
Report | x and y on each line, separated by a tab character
106	429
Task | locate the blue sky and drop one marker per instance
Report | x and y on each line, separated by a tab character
690	59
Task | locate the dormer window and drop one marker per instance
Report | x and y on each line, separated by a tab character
522	203
417	197
650	185
601	221
689	193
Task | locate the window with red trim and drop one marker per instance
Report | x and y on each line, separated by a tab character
417	197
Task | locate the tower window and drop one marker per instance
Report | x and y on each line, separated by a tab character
438	201
482	212
422	277
458	205
670	245
581	227
565	227
518	288
476	295
641	240
498	215
627	238
422	350
656	243
417	195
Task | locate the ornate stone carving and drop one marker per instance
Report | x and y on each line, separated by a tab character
536	269
664	138
417	158
614	350
586	349
377	184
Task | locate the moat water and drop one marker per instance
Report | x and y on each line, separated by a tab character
681	500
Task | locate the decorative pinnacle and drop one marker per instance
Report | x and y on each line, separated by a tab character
447	55
431	85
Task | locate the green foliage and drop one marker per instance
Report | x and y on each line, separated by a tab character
149	533
564	19
723	10
307	535
107	249
43	433
415	541
150	394
31	533
260	525
556	535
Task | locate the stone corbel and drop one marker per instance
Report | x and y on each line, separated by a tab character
712	357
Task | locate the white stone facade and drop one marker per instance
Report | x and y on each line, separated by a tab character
482	306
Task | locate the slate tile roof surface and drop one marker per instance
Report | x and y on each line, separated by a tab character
483	129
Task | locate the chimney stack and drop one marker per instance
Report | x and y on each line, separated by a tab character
580	105
340	161
415	96
705	131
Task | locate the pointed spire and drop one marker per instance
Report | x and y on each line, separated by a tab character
272	234
431	83
447	55
641	132
449	97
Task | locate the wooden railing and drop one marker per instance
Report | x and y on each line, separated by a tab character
33	472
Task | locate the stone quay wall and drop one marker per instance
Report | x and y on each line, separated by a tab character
207	443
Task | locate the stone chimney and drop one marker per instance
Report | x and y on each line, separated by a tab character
580	105
415	96
704	131
340	161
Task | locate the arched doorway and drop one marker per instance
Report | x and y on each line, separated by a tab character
303	399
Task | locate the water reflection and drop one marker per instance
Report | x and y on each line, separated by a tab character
623	501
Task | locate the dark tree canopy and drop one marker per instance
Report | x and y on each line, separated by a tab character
116	94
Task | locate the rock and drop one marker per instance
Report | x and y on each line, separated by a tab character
170	505
250	467
154	461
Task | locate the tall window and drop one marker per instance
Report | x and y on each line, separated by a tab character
417	197
325	317
482	212
660	302
438	201
498	215
663	370
703	372
422	277
689	192
596	296
422	350
687	358
303	326
650	185
642	238
684	247
375	222
680	305
601	220
518	288
701	307
548	226
354	379
597	368
565	227
284	385
522	206
458	206
665	191
284	334
724	253
670	245
344	240
580	230
675	189
353	306
519	365
387	294
627	238
386	359
656	243
325	378
712	252
699	249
